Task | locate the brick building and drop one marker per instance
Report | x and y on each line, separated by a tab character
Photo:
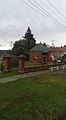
39	53
57	52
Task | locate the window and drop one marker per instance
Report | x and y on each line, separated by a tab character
36	55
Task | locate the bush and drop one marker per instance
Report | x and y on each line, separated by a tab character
14	61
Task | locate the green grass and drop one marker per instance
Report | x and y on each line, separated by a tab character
40	97
31	64
12	72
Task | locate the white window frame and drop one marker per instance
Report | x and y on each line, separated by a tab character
36	55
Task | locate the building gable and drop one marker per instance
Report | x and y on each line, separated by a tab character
40	47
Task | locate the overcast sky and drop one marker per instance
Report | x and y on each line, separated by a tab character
16	16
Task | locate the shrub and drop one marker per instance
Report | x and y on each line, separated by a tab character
14	61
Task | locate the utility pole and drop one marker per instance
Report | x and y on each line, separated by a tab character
53	45
11	44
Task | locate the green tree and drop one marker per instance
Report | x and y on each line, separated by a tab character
18	48
9	52
29	39
23	46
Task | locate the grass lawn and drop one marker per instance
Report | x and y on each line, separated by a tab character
31	64
12	72
40	97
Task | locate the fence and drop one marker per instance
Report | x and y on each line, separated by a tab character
39	68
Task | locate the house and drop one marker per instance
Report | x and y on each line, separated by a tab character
57	52
39	53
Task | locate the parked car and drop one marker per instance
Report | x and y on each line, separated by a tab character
59	61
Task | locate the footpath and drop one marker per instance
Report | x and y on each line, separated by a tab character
25	75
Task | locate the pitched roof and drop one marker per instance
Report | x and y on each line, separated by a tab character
40	47
57	49
22	56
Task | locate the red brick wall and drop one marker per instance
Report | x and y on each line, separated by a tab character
33	59
47	57
40	57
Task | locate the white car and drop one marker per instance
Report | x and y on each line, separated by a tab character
58	61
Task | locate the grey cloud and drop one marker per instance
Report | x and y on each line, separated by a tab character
15	17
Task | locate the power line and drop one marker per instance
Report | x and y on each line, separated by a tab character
48	14
56	9
49	9
58	6
36	10
46	6
40	13
43	11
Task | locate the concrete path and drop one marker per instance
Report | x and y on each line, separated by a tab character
13	78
